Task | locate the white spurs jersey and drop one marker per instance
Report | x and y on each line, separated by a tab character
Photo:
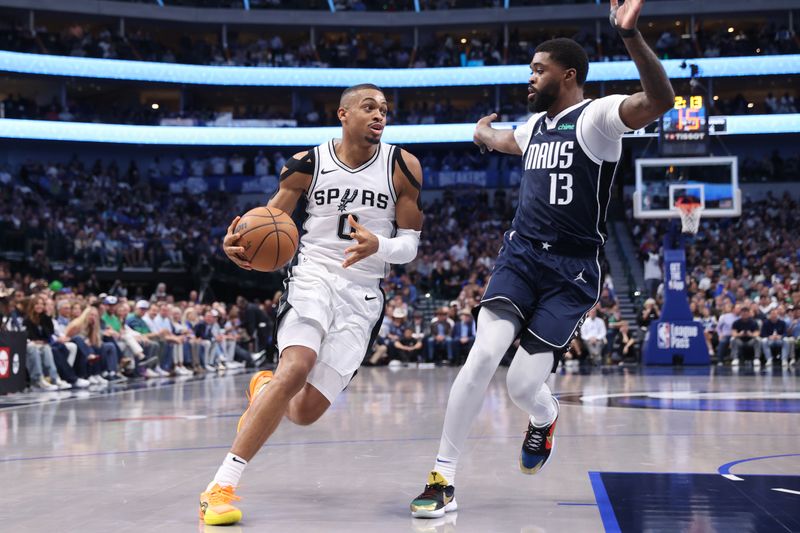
336	191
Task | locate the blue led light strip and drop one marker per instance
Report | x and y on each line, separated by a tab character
210	136
84	67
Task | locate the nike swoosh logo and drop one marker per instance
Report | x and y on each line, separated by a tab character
328	171
367	298
235	460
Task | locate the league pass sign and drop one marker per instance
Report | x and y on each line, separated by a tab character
676	336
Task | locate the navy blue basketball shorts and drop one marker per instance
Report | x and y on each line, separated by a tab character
551	292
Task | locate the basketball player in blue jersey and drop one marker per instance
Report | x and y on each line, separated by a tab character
363	213
547	274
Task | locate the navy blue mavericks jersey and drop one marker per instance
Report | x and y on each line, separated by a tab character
564	191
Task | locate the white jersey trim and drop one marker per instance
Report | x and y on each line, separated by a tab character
363	166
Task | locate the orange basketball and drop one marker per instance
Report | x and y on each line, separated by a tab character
269	238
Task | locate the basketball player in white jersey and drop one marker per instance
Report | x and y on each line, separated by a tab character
358	190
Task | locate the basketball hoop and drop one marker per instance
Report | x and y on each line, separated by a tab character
690	211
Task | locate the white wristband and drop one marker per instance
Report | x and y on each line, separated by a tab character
400	249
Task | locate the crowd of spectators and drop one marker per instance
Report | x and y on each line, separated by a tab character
741	105
416	112
743	281
80	339
353	49
86	216
81	215
364	5
433	111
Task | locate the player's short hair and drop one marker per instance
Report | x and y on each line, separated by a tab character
568	54
355	88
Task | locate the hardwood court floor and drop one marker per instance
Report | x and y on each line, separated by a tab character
658	450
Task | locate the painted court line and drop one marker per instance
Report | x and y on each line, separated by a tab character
788	491
725	470
604	504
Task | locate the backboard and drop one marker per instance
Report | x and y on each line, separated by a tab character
713	181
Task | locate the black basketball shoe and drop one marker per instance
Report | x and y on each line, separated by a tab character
437	499
537	447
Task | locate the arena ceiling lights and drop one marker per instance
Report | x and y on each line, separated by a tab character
211	136
83	67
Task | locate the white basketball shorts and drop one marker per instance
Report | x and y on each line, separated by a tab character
336	317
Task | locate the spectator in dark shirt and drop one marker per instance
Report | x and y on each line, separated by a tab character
745	334
418	328
396	328
625	345
650	313
39	360
407	348
773	335
440	338
463	336
256	323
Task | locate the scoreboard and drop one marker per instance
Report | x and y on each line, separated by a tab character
684	128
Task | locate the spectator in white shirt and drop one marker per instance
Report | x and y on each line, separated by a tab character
237	164
218	165
652	271
261	164
459	250
593	335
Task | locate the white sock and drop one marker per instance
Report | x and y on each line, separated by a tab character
497	329
545	411
230	471
447	468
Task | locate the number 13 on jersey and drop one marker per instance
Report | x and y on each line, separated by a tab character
560	189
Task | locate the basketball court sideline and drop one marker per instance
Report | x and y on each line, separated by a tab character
664	449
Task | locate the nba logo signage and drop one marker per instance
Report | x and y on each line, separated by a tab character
663	335
5	362
675	336
12	361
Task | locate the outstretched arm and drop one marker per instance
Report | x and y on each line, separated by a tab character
644	107
486	136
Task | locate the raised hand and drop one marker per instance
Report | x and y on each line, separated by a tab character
626	15
367	243
477	137
234	252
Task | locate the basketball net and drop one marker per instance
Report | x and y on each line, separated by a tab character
690	212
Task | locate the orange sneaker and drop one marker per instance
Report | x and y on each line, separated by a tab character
257	384
216	508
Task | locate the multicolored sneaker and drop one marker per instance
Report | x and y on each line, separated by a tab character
437	499
537	447
216	508
257	384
